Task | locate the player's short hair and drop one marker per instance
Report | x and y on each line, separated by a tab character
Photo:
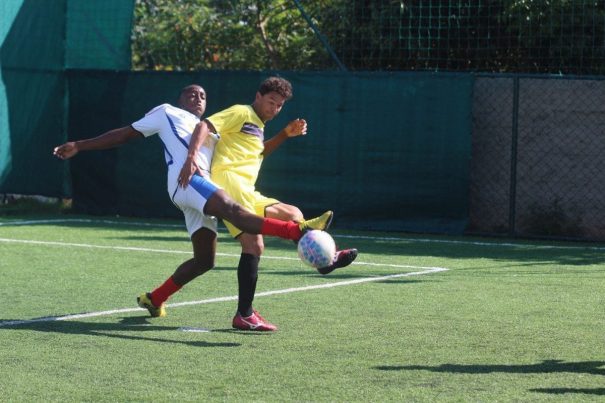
185	89
276	84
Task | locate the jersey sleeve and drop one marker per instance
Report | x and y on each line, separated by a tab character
151	123
229	120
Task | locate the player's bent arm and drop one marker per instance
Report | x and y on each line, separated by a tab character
274	142
295	128
200	132
106	140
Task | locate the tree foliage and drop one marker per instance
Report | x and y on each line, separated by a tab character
556	36
214	34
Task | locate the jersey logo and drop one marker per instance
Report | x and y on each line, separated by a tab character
254	130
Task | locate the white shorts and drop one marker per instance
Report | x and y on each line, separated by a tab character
192	200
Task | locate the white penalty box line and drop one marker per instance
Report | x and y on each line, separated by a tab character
423	271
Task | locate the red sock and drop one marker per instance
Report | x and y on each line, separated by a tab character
163	292
282	229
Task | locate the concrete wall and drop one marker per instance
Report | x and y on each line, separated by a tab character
560	178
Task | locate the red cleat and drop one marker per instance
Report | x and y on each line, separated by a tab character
253	322
343	258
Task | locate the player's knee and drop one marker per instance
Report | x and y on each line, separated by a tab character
232	211
237	211
295	214
255	250
255	247
285	212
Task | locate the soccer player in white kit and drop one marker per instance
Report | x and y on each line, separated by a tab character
200	200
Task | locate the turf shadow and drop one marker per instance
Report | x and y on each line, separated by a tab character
562	391
242	332
515	251
120	330
399	281
545	367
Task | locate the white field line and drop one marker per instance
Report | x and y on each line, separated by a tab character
88	221
172	251
138	249
428	270
367	237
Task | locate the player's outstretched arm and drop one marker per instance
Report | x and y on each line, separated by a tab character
297	127
106	140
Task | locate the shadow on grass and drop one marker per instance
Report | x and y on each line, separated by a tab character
545	367
341	274
126	326
562	391
399	281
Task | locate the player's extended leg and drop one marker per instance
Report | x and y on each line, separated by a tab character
283	211
204	251
288	227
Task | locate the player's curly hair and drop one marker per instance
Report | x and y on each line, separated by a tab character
276	84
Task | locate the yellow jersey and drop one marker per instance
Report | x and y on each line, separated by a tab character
241	146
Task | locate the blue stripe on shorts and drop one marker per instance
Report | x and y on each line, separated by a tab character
203	186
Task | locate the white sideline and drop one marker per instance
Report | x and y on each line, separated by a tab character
428	270
368	237
137	249
89	221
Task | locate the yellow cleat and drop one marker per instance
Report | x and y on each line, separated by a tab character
321	223
144	301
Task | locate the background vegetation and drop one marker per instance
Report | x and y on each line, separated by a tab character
551	36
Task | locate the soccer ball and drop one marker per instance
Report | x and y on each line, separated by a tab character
317	249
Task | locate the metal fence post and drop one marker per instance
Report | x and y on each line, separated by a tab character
513	159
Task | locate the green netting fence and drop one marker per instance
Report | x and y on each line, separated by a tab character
431	151
555	36
375	163
39	39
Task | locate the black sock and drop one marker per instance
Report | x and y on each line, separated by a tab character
247	274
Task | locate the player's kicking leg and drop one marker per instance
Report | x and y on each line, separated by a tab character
222	206
285	211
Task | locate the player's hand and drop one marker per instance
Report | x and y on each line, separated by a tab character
66	150
297	127
189	169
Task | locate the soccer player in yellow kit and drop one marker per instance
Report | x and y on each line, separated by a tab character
235	166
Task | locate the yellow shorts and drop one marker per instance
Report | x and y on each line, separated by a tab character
243	193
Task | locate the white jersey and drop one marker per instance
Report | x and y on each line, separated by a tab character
175	127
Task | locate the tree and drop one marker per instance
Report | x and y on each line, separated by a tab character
213	34
550	36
